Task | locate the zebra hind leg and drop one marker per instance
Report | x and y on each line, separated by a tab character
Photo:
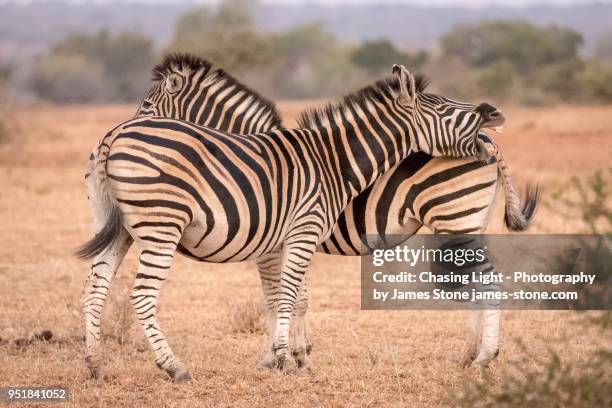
155	261
95	292
300	340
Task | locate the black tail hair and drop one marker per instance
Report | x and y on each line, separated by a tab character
528	210
104	238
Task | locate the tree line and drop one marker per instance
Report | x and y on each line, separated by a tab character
504	60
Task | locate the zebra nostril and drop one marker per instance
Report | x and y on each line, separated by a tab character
495	114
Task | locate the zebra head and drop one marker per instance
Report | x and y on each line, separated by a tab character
188	88
442	126
174	78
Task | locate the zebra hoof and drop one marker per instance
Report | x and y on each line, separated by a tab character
301	358
286	366
485	358
308	349
304	363
181	376
98	374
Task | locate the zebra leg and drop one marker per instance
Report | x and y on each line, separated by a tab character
296	257
473	337
269	273
483	325
489	325
299	333
155	261
94	295
489	347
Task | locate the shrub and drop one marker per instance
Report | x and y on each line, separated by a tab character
380	55
595	82
556	384
498	80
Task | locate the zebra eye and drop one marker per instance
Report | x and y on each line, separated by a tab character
174	82
146	104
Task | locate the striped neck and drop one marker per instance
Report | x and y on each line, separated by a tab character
362	137
371	140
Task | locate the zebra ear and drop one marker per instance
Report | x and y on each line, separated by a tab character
174	82
407	84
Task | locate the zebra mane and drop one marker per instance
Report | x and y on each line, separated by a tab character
378	92
180	62
193	63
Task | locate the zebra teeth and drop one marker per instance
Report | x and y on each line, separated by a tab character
499	129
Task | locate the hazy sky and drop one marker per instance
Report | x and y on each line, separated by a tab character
471	3
474	3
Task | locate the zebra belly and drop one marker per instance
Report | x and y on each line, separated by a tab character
208	246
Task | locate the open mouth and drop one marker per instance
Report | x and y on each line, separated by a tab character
494	121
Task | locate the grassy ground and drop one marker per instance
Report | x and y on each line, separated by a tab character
361	358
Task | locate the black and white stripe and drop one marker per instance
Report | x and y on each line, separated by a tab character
220	197
188	88
214	99
448	196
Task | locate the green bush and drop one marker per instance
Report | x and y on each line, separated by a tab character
227	36
69	79
595	82
94	67
378	56
498	80
526	45
556	384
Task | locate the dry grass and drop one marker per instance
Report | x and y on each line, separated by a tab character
247	316
361	358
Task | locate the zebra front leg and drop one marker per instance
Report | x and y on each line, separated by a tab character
489	346
269	272
95	292
489	326
155	262
483	323
300	339
294	265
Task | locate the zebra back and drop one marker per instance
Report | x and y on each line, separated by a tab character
188	88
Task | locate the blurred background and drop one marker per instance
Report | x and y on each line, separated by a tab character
525	52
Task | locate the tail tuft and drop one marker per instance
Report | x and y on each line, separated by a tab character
518	218
105	238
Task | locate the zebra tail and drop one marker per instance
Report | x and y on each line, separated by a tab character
103	205
519	214
518	217
104	238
